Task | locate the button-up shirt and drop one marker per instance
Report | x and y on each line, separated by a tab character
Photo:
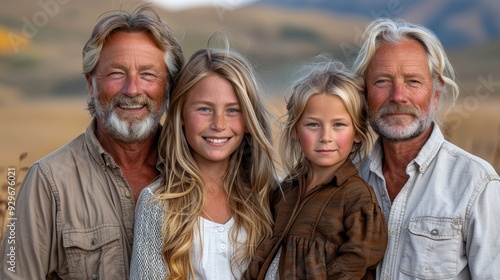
74	217
445	221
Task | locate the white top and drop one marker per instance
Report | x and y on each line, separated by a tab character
210	261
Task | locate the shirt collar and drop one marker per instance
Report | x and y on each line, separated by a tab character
345	171
430	149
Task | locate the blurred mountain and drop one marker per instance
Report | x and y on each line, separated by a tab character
41	41
458	23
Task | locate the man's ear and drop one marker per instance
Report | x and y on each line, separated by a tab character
89	85
437	93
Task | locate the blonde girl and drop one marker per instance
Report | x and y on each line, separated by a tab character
206	218
328	224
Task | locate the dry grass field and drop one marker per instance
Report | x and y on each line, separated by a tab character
30	130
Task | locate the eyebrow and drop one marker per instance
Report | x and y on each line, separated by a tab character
207	102
320	119
123	66
377	74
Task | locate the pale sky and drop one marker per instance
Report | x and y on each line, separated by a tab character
184	4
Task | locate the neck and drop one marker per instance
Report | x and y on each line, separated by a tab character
401	153
216	207
213	175
397	156
137	160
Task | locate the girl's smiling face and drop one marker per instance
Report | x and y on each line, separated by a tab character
212	119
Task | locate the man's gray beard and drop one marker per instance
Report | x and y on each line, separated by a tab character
122	130
136	130
397	131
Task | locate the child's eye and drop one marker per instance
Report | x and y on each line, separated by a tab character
312	124
338	124
204	109
233	110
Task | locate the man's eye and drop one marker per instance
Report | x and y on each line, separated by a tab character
148	74
116	74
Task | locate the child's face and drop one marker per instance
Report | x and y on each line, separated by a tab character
325	132
212	119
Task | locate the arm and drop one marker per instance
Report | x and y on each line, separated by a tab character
366	234
147	261
29	248
483	234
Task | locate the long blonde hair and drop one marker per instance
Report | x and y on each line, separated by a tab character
247	182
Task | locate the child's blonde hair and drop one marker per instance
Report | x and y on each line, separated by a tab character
327	76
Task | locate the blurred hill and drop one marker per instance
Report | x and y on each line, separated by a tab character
459	23
41	41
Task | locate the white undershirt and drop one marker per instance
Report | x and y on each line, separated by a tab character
216	253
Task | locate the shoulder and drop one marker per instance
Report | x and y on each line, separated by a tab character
147	195
67	155
356	188
466	160
148	204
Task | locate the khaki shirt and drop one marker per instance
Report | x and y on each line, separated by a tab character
75	217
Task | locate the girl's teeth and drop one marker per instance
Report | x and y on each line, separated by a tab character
216	141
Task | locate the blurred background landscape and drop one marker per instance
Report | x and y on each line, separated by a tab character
43	93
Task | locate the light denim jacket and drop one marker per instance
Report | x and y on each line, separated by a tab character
445	222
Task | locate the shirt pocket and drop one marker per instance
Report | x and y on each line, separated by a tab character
432	247
94	253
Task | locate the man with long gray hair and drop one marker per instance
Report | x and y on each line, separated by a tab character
441	202
75	208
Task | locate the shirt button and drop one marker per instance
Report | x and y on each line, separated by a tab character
223	246
386	278
128	194
434	232
392	231
426	269
221	229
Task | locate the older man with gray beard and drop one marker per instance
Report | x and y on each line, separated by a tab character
441	203
75	208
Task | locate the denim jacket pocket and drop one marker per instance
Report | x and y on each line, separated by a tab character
94	253
432	247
